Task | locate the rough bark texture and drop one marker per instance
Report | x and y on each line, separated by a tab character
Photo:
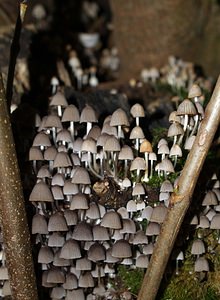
147	32
12	213
180	199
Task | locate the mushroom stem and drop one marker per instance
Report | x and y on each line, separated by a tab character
186	120
196	119
71	128
59	110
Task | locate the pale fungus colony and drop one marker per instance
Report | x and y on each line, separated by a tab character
93	212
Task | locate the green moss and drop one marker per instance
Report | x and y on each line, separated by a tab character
131	279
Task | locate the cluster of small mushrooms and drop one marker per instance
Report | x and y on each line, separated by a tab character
92	207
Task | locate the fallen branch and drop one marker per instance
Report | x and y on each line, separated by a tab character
181	198
12	213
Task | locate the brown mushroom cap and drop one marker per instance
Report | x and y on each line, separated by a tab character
146	147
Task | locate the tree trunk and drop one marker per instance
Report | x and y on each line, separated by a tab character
147	32
181	198
12	213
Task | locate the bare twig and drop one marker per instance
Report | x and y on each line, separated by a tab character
15	48
12	213
181	198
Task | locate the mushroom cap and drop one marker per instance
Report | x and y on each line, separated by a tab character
126	153
215	222
64	136
53	121
153	228
71	217
83	232
107	129
112	144
175	129
62	160
159	214
35	153
111	219
198	247
58	179
56	239
136	133
163	149
174	118
86	280
96	252
58	292
146	147
70	188
57	192
137	110
121	249
77	145
39	224
71	282
70	250
59	261
175	151
81	176
119	118
93	211
44	172
147	212
186	107
166	186
57	222
128	226
201	265
142	261
210	199
140	238
70	114
189	142
100	233
55	275
75	294
88	115
194	91
138	164
94	133
42	139
50	153
79	201
41	193
203	222
138	189
83	264
167	166
58	100
89	145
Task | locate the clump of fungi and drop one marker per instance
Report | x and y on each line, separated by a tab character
93	212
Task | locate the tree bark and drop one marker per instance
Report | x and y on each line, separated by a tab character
181	198
12	213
